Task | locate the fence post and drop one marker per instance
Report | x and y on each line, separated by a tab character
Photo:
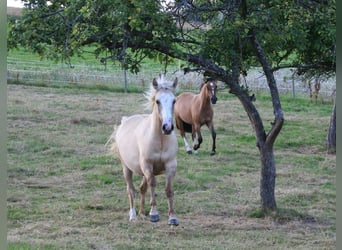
125	79
293	87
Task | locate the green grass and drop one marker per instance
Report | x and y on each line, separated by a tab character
26	246
66	192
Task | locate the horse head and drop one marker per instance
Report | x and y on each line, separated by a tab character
165	100
211	88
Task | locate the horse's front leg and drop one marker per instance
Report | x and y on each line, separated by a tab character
151	181
213	135
170	174
197	137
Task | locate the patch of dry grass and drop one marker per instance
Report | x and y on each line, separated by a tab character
66	192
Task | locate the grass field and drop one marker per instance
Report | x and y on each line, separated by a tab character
66	192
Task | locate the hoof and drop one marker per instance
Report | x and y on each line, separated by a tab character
132	215
154	217
189	152
212	153
173	221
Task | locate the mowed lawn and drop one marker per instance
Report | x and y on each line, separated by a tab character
65	191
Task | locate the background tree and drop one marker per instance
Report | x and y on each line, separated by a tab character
219	38
331	137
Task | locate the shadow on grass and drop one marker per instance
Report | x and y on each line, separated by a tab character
282	215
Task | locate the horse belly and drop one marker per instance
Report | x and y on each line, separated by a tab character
187	127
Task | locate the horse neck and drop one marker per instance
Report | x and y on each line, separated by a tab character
205	98
155	121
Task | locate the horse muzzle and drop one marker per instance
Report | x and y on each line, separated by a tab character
213	99
167	129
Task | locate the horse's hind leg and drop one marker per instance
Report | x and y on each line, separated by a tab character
187	146
180	126
197	136
130	191
213	135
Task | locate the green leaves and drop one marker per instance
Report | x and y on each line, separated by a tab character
291	32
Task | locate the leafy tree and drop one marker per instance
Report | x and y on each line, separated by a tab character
219	38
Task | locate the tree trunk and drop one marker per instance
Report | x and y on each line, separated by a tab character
265	145
265	142
268	168
331	138
267	181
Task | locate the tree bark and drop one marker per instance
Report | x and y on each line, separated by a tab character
268	166
331	138
265	142
268	176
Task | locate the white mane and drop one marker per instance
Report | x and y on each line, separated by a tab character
163	83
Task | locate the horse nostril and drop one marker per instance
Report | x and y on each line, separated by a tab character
213	99
167	129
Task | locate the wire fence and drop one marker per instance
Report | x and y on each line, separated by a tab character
288	82
31	71
45	72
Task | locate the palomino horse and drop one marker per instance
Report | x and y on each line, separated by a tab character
147	145
193	111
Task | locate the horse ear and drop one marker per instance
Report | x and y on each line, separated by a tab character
155	83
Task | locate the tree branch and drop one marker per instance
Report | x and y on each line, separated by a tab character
277	110
272	135
320	66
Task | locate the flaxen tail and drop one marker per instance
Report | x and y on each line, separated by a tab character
111	144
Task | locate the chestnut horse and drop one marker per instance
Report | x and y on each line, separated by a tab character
147	145
192	111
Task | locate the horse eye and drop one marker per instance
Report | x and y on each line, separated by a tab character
174	101
158	102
